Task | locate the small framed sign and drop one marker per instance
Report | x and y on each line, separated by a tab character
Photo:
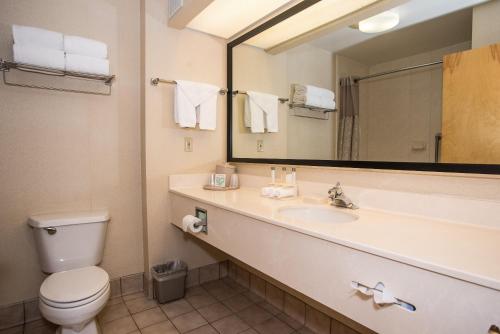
220	180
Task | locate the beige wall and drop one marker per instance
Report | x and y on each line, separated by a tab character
486	24
177	54
64	151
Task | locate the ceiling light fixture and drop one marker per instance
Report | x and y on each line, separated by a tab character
379	23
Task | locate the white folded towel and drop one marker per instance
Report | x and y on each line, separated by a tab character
320	97
31	36
196	103
85	64
261	112
85	47
39	56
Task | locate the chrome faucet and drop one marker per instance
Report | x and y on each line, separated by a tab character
336	194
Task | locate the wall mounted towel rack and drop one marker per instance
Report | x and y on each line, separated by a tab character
236	92
7	66
156	81
294	105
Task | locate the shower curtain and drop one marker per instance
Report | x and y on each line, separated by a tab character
348	137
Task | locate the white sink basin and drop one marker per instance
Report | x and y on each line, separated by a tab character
320	214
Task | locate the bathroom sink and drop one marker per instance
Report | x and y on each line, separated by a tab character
320	214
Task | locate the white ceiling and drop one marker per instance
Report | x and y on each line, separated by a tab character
410	13
426	36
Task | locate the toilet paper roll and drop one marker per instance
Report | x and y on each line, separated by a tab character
188	223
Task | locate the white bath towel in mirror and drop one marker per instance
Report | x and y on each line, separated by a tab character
196	103
261	112
85	64
38	56
31	36
85	47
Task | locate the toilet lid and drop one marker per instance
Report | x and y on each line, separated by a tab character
74	285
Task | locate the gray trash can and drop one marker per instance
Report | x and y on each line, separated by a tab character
169	281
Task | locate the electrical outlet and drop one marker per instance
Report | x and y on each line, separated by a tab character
188	144
260	145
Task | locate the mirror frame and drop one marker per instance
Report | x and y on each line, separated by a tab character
407	166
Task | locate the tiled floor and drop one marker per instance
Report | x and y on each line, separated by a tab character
221	306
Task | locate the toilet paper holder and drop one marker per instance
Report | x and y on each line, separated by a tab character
201	214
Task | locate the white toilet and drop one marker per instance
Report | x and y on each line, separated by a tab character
69	247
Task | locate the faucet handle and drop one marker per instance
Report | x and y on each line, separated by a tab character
336	190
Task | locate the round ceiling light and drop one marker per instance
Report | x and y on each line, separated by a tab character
378	23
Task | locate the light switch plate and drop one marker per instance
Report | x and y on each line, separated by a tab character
188	144
260	145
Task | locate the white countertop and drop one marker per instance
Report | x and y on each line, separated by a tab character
463	251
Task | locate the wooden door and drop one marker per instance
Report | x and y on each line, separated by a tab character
471	106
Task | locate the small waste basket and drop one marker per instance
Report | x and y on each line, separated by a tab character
169	280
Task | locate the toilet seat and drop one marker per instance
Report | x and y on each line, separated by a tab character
73	288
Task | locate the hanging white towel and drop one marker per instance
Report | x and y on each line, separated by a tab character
39	56
320	97
85	47
261	112
195	103
85	64
31	36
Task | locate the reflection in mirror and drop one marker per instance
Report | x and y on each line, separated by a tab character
424	89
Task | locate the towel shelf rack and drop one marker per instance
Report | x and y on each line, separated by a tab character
7	66
294	105
156	81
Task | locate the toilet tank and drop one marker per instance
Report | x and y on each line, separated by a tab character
69	240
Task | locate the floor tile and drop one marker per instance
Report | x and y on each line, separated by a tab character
305	330
289	321
273	326
176	308
269	308
207	329
254	315
209	273
253	297
235	285
275	296
230	325
295	308
12	330
114	300
149	317
214	312
237	303
201	300
250	331
119	326
195	290
164	327
188	321
11	315
113	312
339	328
133	296
317	321
140	304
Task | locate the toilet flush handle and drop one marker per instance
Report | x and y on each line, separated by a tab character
51	230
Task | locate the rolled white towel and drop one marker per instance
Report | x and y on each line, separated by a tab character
31	36
85	64
85	47
39	56
320	97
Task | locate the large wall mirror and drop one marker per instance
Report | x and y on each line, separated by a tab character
398	84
